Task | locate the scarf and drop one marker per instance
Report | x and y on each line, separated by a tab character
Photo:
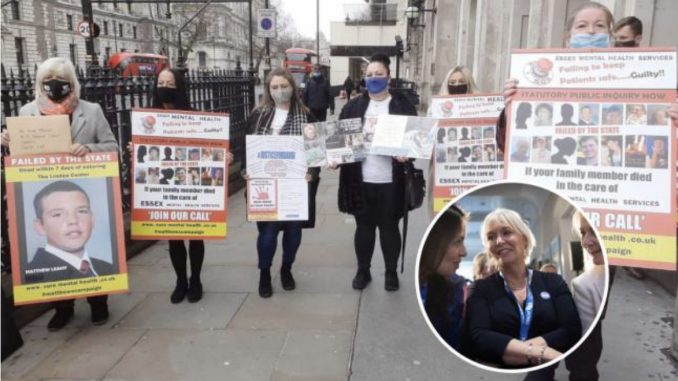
65	107
294	124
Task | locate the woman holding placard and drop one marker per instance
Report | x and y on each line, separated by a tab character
57	92
372	190
281	113
170	93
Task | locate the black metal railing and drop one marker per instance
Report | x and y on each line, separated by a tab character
229	91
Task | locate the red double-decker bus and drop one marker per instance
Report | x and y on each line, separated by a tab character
138	64
299	62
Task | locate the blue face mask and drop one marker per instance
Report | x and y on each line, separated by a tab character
598	40
376	85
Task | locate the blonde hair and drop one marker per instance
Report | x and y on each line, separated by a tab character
468	76
482	261
513	220
59	67
589	5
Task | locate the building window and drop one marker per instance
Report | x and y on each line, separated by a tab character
136	50
108	54
134	32
16	15
123	50
19	46
120	32
105	28
73	48
69	22
129	7
202	59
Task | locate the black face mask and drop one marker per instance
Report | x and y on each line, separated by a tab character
457	89
625	44
56	89
167	95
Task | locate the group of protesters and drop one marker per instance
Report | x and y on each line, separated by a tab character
372	191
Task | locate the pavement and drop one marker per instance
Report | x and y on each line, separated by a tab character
322	331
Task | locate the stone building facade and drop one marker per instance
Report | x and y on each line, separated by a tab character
34	30
480	34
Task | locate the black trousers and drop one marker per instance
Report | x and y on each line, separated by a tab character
178	254
378	213
320	114
582	363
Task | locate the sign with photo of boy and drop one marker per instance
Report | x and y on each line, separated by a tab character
64	245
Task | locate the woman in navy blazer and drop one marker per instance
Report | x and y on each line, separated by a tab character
518	317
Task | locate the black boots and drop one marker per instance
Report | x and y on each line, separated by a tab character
362	278
286	278
179	292
265	287
391	282
60	318
194	290
99	313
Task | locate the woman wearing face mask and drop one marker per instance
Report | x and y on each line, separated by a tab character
589	27
373	190
57	92
458	81
281	112
170	93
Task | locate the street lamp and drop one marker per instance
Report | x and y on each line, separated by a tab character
414	11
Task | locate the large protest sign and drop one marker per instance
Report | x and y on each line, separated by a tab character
277	189
180	185
338	142
466	152
467	106
64	210
407	136
593	125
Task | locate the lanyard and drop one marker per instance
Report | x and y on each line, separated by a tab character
526	314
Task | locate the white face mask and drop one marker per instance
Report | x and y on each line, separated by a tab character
281	95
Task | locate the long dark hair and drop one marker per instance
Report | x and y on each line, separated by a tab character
181	102
440	294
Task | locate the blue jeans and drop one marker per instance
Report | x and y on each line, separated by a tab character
267	241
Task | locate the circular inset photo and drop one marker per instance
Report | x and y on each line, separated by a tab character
512	277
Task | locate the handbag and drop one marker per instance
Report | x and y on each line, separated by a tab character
415	187
415	190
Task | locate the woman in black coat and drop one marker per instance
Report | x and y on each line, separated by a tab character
517	317
373	190
170	93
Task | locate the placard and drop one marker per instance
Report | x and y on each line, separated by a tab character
466	106
466	153
277	189
31	135
337	142
608	144
180	174
406	136
64	210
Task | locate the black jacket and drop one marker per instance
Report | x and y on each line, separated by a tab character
56	269
492	317
318	95
351	199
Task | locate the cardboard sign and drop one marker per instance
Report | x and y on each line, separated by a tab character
30	135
